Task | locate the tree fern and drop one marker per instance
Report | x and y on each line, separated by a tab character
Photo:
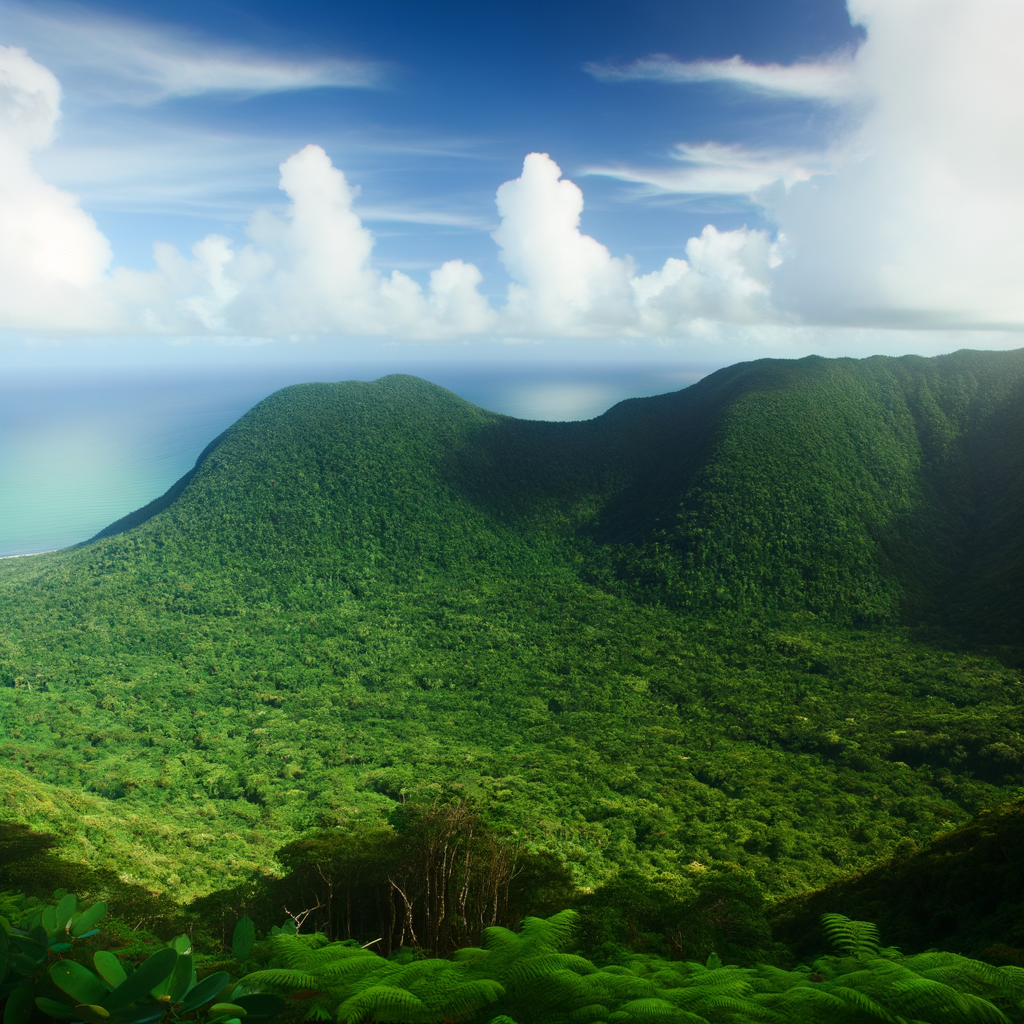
852	938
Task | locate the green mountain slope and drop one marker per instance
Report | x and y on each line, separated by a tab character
680	633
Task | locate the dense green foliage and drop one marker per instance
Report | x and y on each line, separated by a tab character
49	969
739	628
57	966
532	977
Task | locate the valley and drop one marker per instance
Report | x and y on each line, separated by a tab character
770	623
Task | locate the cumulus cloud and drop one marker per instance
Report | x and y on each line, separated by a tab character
912	216
563	280
53	258
310	270
831	80
921	222
566	283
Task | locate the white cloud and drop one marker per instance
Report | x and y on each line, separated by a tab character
921	223
831	79
914	219
563	280
711	168
726	278
306	273
131	62
567	283
914	216
52	256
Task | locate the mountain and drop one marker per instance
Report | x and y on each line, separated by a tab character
771	620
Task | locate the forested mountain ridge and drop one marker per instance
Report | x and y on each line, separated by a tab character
836	485
681	633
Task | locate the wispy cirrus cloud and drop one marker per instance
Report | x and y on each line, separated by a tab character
831	80
712	168
141	63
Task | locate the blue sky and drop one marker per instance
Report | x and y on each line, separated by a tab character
757	178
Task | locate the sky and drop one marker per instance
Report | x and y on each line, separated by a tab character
244	183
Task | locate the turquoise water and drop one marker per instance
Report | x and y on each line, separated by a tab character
78	451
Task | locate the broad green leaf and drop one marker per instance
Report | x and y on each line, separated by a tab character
138	985
88	919
92	1014
49	919
243	938
142	1014
54	1009
78	981
204	991
26	964
65	909
227	1008
109	968
28	945
19	1006
182	979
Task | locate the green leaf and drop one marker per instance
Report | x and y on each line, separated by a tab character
88	919
138	985
27	945
78	981
181	944
204	991
227	1008
19	1006
109	968
243	938
92	1014
182	979
61	1011
24	964
65	909
49	919
142	1014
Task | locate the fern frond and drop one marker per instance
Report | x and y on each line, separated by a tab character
470	954
530	968
853	938
588	1014
863	1002
384	1003
282	979
350	971
549	934
809	1003
926	997
655	1010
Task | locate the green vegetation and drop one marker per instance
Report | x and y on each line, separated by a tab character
58	967
755	635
